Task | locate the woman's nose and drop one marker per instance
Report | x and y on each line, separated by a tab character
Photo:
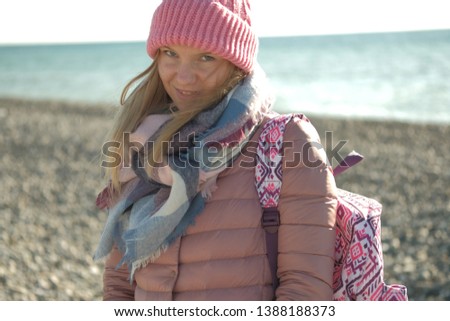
186	74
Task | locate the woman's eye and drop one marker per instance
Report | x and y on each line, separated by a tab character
208	58
169	53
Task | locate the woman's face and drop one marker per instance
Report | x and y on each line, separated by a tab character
191	76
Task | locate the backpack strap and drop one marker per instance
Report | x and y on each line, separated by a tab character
350	160
268	180
268	157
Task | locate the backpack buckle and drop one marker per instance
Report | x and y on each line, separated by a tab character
270	219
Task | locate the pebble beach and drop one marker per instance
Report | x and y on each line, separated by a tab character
50	176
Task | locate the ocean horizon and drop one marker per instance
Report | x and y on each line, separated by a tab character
401	76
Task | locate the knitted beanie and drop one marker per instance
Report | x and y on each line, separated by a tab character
222	27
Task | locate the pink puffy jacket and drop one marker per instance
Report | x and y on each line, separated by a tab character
223	255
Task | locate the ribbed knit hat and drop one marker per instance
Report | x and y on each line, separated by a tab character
222	27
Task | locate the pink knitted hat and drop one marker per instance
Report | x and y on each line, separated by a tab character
222	27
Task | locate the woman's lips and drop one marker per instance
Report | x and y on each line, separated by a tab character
186	94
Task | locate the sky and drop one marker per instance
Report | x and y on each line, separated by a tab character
75	21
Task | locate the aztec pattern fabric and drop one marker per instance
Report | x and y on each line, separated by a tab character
358	269
268	167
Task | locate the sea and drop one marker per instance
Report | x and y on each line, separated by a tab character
403	76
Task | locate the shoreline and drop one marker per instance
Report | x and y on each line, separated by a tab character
50	177
98	108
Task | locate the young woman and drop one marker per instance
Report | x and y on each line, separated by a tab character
184	218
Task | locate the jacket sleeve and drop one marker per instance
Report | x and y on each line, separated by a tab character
116	282
307	208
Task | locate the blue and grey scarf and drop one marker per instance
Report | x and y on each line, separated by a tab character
149	216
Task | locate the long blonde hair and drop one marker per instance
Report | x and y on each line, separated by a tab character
150	97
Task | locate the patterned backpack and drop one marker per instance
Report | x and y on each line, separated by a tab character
358	266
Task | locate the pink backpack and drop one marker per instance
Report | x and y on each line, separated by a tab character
358	266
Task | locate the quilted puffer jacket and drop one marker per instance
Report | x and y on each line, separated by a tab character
223	255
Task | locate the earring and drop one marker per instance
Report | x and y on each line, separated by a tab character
173	109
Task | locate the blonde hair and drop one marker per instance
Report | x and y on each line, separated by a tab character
150	97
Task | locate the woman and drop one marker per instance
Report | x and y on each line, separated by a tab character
184	218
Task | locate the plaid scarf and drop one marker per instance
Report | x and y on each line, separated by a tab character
148	216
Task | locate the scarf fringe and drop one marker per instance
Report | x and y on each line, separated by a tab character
142	263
